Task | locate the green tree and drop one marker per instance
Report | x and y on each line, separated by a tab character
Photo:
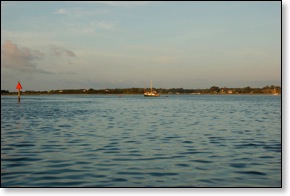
214	89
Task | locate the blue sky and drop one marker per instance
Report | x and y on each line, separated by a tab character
72	45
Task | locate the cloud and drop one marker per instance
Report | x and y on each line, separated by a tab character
79	12
61	11
101	25
105	25
123	3
22	59
58	51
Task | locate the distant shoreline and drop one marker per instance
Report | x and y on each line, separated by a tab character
172	91
171	94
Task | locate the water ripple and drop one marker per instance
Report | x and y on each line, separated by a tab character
105	141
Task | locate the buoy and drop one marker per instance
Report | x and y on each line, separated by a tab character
19	87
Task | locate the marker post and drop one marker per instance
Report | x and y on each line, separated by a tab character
19	87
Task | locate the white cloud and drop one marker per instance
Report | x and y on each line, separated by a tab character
61	11
22	59
58	51
28	60
105	25
79	12
121	3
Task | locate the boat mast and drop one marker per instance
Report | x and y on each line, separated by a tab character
151	86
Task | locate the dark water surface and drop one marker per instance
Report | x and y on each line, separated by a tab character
132	141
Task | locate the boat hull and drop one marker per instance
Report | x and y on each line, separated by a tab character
151	95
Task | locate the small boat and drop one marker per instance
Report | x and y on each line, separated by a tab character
151	93
275	92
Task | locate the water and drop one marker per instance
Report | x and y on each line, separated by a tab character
132	141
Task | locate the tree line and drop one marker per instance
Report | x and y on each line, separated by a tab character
212	90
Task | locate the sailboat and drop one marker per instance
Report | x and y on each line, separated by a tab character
151	93
275	92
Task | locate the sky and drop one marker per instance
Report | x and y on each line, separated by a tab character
105	44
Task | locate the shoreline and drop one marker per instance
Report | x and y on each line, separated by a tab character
39	94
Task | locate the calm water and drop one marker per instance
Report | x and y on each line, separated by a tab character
132	141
